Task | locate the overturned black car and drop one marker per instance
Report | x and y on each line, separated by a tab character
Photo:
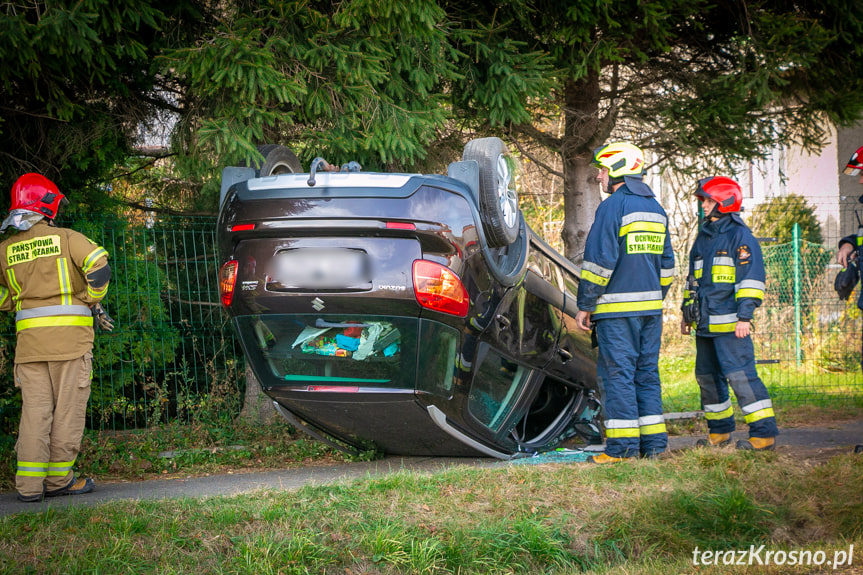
412	314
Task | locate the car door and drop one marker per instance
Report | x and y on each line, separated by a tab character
527	321
575	358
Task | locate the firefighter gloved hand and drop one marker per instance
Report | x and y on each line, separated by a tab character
691	311
101	320
691	308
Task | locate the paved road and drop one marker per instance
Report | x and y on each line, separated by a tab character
236	483
843	434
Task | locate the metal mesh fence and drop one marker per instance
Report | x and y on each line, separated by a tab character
171	355
807	341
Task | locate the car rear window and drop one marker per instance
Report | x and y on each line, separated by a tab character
437	358
351	351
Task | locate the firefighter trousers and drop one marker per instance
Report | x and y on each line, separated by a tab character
727	359
627	371
55	395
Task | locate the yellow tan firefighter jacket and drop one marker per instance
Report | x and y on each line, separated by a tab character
50	276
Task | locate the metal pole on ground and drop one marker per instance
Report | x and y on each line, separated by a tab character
797	328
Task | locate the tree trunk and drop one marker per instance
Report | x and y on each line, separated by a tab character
580	203
257	407
580	187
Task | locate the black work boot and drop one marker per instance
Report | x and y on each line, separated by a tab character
31	498
75	487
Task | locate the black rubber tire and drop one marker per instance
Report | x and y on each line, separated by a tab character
498	199
277	160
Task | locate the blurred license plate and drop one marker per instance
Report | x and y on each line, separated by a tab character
321	268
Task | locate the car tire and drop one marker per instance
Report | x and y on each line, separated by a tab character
498	199
277	160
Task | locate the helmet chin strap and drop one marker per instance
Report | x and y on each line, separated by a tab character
715	214
612	182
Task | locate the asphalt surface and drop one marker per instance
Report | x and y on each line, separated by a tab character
827	440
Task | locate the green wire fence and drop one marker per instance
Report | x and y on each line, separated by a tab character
808	340
172	355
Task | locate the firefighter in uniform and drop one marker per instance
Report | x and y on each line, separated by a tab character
851	247
726	284
50	277
627	270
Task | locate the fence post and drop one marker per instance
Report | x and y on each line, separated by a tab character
797	327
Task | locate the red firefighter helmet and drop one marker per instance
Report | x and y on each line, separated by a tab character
724	191
855	164
36	193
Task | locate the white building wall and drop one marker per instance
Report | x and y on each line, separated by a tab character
763	179
816	178
795	171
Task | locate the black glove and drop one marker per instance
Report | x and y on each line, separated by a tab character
846	280
691	308
101	320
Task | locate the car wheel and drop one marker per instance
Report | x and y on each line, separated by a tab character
498	199
277	160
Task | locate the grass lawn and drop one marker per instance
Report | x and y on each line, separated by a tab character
639	517
790	386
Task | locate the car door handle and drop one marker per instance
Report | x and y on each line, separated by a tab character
502	321
564	355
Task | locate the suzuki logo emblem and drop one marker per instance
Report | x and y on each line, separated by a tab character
318	304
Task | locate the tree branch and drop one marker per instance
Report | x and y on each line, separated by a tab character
143	167
31	114
176	299
161	104
536	161
539	136
166	211
155	152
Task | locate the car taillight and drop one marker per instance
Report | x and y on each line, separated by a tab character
243	227
438	288
227	280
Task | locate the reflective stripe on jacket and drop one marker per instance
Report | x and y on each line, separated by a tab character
628	260
50	276
727	262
